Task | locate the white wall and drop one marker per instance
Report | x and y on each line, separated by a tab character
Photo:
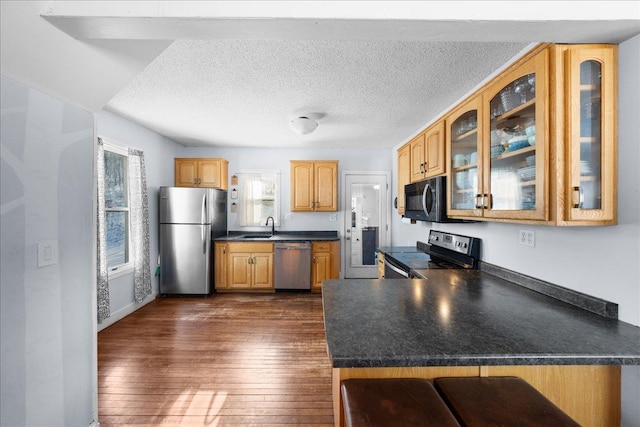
278	159
159	152
599	261
47	314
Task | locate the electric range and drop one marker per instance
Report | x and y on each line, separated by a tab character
443	250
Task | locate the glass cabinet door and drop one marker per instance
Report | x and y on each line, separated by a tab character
590	77
465	160
516	164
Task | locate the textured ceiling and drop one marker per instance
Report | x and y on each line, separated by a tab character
363	93
233	73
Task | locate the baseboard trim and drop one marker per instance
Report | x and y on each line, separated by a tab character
124	312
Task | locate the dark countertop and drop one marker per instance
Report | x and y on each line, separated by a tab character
465	318
283	236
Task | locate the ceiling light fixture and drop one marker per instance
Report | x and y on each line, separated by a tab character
303	125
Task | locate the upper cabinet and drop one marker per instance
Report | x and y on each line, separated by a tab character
314	186
515	176
464	143
427	153
538	144
587	193
404	175
205	172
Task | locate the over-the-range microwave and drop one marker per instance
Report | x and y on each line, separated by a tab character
427	200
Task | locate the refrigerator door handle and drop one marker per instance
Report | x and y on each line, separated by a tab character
204	239
204	210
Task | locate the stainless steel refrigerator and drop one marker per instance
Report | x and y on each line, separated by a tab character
190	218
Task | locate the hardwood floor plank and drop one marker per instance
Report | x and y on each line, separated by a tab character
230	359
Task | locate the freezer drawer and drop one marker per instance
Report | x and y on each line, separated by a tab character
186	263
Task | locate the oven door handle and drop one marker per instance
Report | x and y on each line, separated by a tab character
390	264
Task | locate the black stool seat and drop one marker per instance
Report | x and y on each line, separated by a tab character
394	402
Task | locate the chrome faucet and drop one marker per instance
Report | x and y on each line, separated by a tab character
273	225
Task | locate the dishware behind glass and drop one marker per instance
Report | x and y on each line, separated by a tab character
459	160
473	158
462	180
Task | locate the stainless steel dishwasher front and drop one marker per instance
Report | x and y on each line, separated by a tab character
293	265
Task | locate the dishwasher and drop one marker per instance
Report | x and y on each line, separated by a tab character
293	266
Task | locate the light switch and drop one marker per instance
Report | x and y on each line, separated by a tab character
47	252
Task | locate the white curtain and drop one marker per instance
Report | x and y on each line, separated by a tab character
103	278
139	211
258	198
246	206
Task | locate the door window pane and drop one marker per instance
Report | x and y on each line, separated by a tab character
365	223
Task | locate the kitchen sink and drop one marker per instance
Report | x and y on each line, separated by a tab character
255	236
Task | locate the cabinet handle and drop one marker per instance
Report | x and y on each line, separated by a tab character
421	167
249	260
578	197
194	181
479	205
489	199
224	249
199	181
314	260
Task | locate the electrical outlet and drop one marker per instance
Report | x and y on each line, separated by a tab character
287	216
333	217
527	237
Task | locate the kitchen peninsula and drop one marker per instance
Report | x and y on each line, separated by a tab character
457	323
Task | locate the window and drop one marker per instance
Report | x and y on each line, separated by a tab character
259	198
116	207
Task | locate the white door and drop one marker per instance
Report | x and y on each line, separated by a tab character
367	204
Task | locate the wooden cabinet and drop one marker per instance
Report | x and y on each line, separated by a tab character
220	265
314	186
497	169
325	262
380	265
464	130
427	153
404	174
250	266
206	172
586	130
538	143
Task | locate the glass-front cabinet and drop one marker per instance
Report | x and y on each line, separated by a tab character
538	144
464	127
497	156
591	95
516	156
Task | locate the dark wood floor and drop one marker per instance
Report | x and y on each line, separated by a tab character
239	359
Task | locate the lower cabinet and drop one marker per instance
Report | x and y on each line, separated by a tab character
244	266
325	263
249	266
220	265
